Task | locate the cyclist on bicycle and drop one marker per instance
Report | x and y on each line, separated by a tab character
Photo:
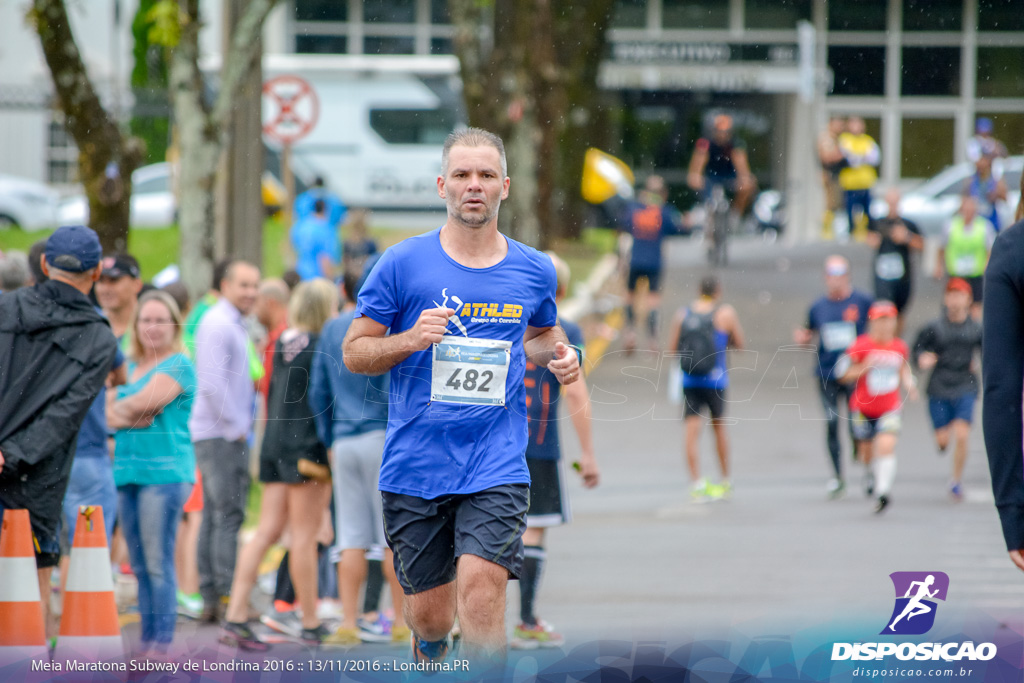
721	159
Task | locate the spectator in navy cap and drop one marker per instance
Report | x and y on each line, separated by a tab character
118	291
56	351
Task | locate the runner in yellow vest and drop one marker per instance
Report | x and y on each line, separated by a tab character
858	177
965	254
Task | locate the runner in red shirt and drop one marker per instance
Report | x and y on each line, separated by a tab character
877	361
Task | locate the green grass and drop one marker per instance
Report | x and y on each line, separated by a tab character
157	248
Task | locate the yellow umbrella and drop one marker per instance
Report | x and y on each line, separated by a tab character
604	177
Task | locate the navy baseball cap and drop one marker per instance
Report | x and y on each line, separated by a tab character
983	125
73	248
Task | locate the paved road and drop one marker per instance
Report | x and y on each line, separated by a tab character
640	560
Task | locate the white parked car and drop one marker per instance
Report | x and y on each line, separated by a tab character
153	204
27	204
932	203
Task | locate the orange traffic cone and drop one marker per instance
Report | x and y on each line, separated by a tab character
22	632
89	629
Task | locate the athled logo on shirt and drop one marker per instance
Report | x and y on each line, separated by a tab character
479	312
913	614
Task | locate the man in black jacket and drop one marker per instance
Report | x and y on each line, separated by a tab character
1003	382
56	350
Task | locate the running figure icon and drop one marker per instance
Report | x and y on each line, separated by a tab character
916	607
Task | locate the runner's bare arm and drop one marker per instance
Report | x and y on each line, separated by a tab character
577	400
549	348
369	350
732	323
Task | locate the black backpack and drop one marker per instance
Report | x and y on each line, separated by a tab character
697	352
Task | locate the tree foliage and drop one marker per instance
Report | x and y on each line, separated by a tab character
529	72
106	157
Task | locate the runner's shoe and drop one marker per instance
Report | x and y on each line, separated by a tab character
699	492
424	651
400	635
286	622
722	491
345	637
532	637
375	631
313	637
883	502
956	490
242	637
835	488
190	606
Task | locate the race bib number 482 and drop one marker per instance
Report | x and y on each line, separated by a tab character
469	370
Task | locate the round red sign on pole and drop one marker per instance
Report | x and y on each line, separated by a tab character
290	109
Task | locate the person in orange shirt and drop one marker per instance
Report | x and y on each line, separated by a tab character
649	221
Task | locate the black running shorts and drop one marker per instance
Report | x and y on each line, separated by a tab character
696	398
428	536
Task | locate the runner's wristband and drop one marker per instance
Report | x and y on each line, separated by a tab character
579	354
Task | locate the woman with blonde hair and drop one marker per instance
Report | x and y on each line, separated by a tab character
154	463
295	493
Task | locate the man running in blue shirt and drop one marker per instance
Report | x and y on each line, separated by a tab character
838	318
455	314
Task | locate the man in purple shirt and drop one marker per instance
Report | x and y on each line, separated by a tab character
221	418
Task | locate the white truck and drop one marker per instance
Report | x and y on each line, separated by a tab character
381	126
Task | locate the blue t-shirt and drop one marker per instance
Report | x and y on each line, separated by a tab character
305	205
650	224
92	436
434	447
161	453
343	403
542	393
838	324
313	237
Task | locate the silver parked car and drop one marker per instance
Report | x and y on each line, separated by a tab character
932	203
27	204
153	203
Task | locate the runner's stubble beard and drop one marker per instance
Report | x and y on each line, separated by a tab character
472	220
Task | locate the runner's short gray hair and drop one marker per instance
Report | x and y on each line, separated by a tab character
473	137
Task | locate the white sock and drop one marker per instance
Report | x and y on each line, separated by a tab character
884	467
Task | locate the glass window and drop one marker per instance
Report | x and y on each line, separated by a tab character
442	46
1000	71
630	14
776	13
857	15
1000	15
931	71
695	14
1009	129
927	147
413	126
62	155
857	70
389	45
439	12
321	10
321	45
932	15
389	11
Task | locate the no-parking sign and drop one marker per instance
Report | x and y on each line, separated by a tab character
291	109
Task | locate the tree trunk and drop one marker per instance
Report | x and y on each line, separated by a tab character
203	131
198	154
106	159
